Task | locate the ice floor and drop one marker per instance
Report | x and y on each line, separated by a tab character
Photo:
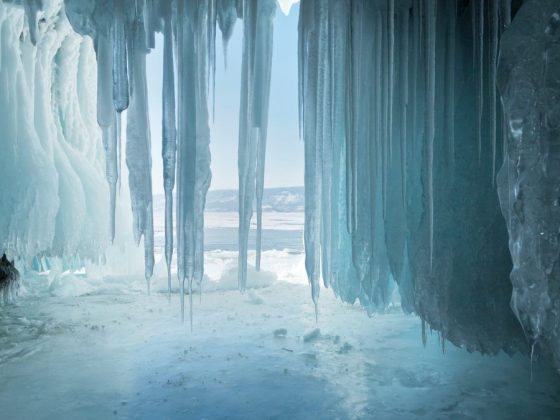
258	355
97	347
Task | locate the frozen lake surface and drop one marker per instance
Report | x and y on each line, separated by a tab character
78	347
258	355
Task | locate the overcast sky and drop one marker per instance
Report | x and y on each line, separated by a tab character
284	155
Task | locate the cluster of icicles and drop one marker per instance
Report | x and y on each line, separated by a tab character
123	33
368	119
357	141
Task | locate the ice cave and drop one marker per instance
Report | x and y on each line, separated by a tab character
280	209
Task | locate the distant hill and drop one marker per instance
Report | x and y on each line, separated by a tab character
286	199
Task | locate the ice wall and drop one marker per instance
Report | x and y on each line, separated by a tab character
529	82
54	196
400	122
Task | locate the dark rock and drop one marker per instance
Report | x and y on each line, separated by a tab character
9	280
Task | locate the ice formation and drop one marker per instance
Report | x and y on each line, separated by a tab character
253	121
55	200
394	180
403	127
529	82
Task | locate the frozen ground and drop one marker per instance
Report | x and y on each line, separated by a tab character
77	347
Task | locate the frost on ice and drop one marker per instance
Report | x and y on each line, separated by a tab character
403	127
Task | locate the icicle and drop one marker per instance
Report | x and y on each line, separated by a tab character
148	15
263	62
416	30
385	93
193	157
253	120
309	65
106	120
324	133
110	144
211	28
404	106
138	153
430	113
494	24
120	73
480	74
182	153
391	81
450	81
227	15
169	134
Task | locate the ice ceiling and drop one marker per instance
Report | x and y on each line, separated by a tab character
431	133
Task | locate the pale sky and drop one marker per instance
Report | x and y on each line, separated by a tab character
284	155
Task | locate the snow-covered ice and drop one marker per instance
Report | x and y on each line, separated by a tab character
111	354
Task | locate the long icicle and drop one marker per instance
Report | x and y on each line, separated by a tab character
480	73
391	79
404	105
169	142
450	82
494	25
430	114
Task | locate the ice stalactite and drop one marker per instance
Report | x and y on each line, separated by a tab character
431	10
309	20
169	134
138	147
253	120
494	28
193	153
528	180
120	73
106	117
227	16
450	79
478	9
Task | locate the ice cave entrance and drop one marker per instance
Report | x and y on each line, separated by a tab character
417	129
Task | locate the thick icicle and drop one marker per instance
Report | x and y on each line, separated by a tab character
309	65
391	80
494	27
450	81
227	15
253	120
193	157
431	7
169	135
480	72
106	120
138	153
120	72
405	51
